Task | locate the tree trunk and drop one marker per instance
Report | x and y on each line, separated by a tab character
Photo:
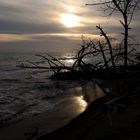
125	41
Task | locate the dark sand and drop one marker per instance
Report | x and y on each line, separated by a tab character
117	121
51	120
46	122
95	123
98	122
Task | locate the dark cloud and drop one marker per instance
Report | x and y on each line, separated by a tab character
22	17
55	44
21	27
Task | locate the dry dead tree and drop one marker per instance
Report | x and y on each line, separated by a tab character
127	9
112	57
54	64
108	42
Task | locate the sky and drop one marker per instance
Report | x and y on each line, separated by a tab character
54	25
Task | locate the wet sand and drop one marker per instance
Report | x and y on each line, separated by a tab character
51	120
100	121
46	122
94	124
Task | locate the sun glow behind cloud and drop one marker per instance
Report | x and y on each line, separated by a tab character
70	8
69	17
70	20
51	23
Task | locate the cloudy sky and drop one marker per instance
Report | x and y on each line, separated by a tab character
53	25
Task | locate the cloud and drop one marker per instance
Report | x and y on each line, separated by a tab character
47	44
21	27
43	37
41	42
23	10
36	25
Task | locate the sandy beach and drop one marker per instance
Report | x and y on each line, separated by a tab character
53	119
69	70
95	124
46	122
75	119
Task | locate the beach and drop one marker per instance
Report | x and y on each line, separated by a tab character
45	122
52	119
36	107
100	123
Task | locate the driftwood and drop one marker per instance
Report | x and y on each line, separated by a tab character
114	61
95	69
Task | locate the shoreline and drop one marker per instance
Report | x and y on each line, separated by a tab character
70	121
44	123
55	118
94	123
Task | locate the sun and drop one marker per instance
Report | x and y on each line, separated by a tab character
70	20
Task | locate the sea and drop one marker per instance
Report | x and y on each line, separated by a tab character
26	92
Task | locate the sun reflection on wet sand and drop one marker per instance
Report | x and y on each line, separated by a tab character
82	103
84	95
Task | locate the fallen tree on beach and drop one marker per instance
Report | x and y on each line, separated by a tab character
113	58
101	59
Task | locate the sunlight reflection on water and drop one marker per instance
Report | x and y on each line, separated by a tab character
70	61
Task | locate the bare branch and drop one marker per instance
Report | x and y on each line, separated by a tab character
108	42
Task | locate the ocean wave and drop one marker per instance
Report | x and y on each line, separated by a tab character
27	92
